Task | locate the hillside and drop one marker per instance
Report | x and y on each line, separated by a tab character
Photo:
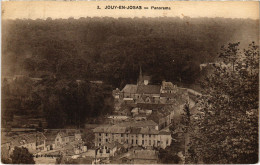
112	49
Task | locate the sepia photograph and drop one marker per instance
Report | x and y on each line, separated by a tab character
129	82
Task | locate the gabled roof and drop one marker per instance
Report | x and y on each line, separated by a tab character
129	88
148	89
110	129
127	127
160	114
137	124
148	131
144	154
134	130
27	138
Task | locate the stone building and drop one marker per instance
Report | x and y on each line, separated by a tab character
131	135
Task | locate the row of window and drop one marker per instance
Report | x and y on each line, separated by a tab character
136	141
122	135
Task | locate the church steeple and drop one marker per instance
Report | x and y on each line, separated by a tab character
140	79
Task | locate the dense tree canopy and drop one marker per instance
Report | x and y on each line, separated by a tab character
68	53
22	156
112	49
225	129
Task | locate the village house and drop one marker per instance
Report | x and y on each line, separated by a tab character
50	140
74	148
107	149
63	138
140	157
5	147
113	119
163	117
116	93
34	142
167	87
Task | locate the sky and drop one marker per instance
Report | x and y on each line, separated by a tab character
77	9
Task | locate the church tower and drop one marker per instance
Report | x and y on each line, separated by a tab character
140	78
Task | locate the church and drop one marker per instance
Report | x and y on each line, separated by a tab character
143	91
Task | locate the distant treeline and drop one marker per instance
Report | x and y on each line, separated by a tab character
112	49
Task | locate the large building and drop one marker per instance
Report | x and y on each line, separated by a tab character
133	135
144	92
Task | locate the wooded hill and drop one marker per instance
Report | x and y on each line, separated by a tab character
62	51
112	49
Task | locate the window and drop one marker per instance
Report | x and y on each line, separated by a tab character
136	141
99	134
106	140
106	134
127	141
132	141
149	142
122	135
167	142
100	139
149	135
142	142
143	135
136	136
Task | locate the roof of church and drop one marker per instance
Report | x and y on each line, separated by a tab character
130	88
149	89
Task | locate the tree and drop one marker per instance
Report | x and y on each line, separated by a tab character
185	118
21	155
170	155
225	129
59	159
167	156
88	137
